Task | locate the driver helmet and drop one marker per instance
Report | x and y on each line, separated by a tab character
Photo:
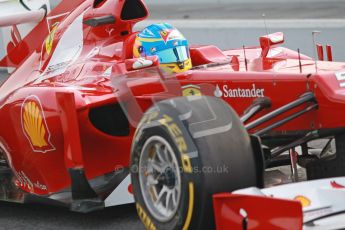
166	42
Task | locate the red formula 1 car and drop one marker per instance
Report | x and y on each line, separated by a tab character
78	113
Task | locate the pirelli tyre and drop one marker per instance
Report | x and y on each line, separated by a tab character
185	150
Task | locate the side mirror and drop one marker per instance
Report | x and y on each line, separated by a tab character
100	21
134	11
141	63
268	41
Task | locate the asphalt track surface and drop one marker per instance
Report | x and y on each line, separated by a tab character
17	216
38	217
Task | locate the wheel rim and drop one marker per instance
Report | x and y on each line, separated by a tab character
159	178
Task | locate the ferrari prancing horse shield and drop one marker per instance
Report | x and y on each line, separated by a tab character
191	90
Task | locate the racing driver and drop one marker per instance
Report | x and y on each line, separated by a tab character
166	42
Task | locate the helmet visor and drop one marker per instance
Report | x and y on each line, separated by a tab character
173	55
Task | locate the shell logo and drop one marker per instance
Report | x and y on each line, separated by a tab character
305	202
35	126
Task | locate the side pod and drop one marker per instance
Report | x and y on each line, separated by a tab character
84	197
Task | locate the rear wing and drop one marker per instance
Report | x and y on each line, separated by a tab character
22	18
14	12
17	19
17	42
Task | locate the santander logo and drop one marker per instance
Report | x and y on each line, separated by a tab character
227	92
218	92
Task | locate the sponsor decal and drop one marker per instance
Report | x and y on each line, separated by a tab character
40	186
109	31
227	92
149	117
341	78
305	202
50	39
191	90
153	49
165	35
24	181
145	219
169	35
336	185
177	134
142	63
73	37
34	125
130	189
60	66
174	35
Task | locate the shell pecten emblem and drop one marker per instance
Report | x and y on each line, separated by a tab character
35	126
305	202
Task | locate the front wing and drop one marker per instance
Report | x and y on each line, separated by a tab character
316	204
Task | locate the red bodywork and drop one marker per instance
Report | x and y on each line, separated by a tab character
64	101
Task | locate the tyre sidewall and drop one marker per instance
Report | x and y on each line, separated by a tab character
187	205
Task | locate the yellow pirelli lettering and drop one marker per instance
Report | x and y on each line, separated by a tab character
148	118
175	130
190	207
145	219
181	143
187	166
165	120
152	116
